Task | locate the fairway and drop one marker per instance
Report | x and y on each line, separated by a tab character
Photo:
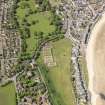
60	75
7	95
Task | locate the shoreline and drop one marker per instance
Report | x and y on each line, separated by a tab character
90	57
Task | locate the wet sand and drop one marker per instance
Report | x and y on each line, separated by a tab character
95	56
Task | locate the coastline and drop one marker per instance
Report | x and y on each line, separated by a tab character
90	55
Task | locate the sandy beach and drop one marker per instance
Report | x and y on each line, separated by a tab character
95	57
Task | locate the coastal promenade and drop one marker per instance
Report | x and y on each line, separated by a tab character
95	56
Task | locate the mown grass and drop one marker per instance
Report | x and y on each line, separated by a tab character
59	77
7	95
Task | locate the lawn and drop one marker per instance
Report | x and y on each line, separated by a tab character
42	25
7	95
60	75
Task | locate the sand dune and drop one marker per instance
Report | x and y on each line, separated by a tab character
95	57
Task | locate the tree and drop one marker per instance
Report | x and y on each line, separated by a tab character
34	22
24	45
27	32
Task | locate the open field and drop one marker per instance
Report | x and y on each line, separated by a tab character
59	76
35	21
7	95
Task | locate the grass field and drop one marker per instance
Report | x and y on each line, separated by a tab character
7	95
42	25
59	76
